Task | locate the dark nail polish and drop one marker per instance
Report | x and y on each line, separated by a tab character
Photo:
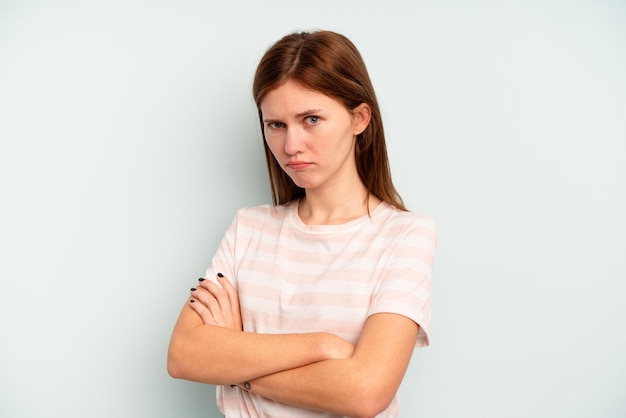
201	279
193	289
220	275
191	301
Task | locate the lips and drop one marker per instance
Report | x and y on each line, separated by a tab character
298	165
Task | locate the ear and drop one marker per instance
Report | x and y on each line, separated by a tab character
361	116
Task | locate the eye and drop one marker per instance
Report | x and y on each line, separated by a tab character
312	120
275	125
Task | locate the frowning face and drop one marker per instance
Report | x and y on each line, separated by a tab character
312	135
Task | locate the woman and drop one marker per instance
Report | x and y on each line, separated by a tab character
312	306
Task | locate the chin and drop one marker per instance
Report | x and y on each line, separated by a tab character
303	184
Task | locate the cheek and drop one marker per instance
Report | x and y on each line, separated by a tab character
273	145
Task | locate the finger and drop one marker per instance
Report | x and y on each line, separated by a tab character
205	298
202	311
222	300
233	298
219	294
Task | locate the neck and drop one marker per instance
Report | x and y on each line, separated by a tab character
336	206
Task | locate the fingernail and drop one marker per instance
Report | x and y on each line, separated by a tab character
220	275
191	301
193	289
201	279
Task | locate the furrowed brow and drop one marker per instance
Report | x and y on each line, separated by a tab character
298	115
308	112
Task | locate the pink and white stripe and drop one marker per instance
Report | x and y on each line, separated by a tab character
294	278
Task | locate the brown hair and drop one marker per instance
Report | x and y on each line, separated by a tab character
329	63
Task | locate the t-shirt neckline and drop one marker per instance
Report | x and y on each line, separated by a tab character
325	229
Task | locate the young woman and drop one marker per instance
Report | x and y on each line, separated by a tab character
312	306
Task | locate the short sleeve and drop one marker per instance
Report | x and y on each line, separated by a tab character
405	286
224	259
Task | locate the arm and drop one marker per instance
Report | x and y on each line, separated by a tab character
205	348
365	383
360	386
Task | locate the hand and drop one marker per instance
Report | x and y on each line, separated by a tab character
217	304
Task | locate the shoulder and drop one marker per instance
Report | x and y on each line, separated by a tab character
262	214
403	223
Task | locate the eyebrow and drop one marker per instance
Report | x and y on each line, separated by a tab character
298	115
308	112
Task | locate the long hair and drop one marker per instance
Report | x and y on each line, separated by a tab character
329	63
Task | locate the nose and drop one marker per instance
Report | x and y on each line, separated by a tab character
293	141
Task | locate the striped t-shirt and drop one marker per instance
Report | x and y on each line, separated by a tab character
296	278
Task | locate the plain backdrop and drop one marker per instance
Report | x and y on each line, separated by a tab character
128	138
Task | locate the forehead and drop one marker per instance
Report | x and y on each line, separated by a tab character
291	98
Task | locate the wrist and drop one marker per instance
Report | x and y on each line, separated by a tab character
245	385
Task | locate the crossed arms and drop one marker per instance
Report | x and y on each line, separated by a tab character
317	371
